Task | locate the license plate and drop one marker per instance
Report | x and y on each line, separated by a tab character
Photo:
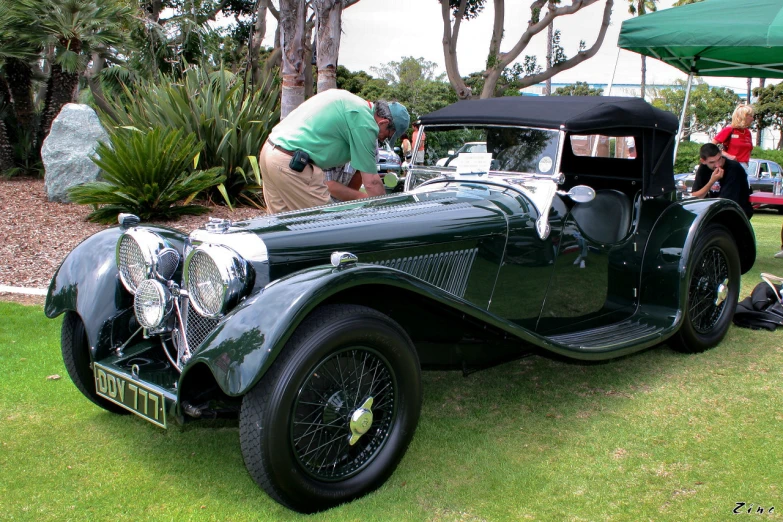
130	394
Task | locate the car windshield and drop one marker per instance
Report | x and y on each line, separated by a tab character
480	149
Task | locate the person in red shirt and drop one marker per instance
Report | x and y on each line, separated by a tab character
735	138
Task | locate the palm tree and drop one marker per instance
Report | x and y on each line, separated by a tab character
18	52
638	8
72	30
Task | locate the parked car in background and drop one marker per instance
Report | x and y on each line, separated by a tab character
312	327
761	174
452	160
387	159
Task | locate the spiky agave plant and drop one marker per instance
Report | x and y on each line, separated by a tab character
229	120
150	173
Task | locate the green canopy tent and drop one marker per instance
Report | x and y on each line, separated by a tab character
712	38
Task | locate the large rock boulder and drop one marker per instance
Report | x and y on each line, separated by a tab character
67	149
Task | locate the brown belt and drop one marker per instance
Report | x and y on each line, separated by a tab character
281	149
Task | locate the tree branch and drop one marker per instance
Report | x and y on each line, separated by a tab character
579	57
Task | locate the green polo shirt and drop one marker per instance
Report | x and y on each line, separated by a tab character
334	127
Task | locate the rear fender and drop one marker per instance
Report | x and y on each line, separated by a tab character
670	247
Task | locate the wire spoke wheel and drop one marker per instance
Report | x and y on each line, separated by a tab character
335	391
333	416
710	277
713	289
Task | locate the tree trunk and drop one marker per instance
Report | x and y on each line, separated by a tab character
293	14
450	37
259	32
760	121
6	151
309	80
550	33
60	90
328	25
644	75
93	75
20	84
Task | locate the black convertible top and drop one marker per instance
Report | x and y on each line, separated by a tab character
574	113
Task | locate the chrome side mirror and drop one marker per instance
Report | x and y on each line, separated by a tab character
579	194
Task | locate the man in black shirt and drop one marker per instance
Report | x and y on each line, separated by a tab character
729	174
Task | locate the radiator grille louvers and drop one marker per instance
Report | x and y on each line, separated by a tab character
448	271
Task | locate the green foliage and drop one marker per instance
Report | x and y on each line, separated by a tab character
687	157
578	89
708	107
772	155
640	7
146	173
473	8
231	122
411	81
74	28
769	106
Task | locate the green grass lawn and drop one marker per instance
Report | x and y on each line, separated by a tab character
655	436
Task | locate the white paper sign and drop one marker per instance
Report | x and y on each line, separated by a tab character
474	163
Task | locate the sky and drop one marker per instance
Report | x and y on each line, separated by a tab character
376	32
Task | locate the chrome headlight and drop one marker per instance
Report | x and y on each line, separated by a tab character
152	303
142	254
216	278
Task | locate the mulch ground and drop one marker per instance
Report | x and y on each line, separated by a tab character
36	234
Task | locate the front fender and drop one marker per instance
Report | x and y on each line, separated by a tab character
670	247
246	343
88	282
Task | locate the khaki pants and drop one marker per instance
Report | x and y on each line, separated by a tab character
286	189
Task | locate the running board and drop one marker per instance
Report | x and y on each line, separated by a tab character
615	336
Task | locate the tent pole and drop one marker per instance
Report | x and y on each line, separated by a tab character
614	71
608	93
682	116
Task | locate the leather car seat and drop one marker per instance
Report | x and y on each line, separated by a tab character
607	218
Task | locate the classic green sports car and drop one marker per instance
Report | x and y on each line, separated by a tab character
565	238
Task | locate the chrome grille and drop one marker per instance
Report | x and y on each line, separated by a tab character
133	269
205	283
167	263
448	271
198	328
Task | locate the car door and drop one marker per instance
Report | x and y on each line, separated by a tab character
766	175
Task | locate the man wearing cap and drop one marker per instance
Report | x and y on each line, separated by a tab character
326	131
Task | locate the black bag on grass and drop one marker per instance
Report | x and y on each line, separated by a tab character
761	309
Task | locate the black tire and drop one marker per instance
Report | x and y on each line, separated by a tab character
337	358
713	290
76	356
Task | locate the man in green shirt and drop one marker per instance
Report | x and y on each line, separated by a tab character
332	128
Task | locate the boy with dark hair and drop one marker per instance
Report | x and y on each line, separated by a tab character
730	177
